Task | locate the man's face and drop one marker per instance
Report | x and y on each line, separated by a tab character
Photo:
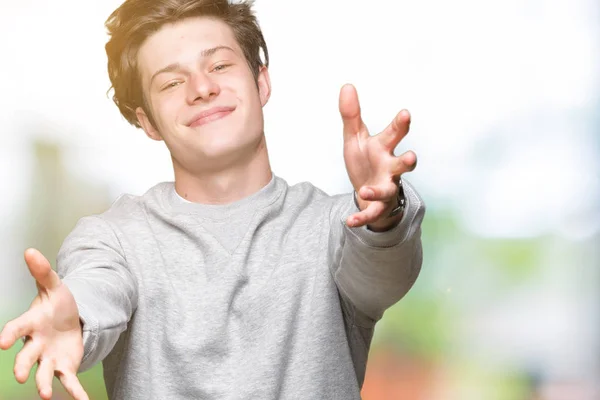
205	101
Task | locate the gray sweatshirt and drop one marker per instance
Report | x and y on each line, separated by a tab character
269	297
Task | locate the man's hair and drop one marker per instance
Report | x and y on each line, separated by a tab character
135	20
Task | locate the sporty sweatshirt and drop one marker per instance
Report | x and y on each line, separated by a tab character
268	297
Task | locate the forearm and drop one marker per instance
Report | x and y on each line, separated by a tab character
374	270
105	304
93	267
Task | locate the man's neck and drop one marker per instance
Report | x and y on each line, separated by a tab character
227	185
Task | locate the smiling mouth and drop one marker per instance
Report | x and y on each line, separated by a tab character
211	116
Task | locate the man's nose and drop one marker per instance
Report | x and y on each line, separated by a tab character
202	88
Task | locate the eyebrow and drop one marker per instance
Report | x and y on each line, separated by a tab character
176	66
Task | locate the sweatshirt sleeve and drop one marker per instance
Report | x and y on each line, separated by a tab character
374	270
92	264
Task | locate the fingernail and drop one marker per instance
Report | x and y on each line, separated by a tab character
369	193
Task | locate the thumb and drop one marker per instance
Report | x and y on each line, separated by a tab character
350	111
41	270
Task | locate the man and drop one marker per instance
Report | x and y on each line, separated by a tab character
226	283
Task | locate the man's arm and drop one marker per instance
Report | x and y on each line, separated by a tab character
92	264
75	321
374	270
376	255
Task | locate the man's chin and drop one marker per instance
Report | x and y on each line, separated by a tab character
218	152
217	145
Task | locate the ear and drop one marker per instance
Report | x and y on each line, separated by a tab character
264	85
147	126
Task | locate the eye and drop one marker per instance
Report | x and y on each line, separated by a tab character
220	67
171	85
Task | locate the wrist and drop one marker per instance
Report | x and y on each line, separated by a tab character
391	216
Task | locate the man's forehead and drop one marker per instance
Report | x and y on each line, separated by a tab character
184	39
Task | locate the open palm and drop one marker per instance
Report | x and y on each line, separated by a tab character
53	332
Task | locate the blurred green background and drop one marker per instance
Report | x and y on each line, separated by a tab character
505	103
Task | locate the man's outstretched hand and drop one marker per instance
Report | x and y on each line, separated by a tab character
52	330
373	168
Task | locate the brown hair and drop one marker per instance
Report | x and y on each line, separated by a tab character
135	20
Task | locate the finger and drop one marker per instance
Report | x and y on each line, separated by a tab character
350	111
16	329
41	270
73	386
26	358
383	192
396	130
43	379
405	163
372	213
